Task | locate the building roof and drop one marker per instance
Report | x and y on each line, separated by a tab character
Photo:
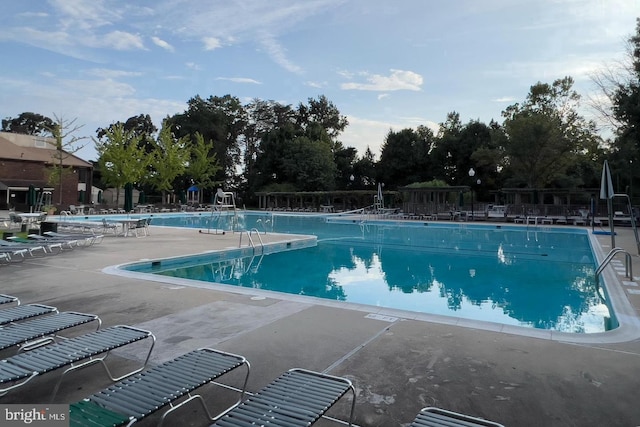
11	151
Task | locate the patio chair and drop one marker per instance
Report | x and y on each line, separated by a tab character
139	226
73	353
435	417
297	398
26	311
15	219
108	226
36	332
149	391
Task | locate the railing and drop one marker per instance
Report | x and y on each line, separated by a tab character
251	243
628	270
633	218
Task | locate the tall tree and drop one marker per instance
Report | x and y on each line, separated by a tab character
219	119
323	112
546	134
140	125
203	166
626	111
121	159
364	171
168	160
29	124
65	143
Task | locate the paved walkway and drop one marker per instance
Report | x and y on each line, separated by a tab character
398	364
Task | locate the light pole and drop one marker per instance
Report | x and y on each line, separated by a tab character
472	173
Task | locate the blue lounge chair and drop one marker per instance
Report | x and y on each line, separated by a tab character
73	353
22	312
42	330
298	398
436	417
152	390
8	299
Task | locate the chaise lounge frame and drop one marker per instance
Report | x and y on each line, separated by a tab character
26	311
149	391
298	398
73	353
42	330
436	417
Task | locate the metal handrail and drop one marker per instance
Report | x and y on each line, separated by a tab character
628	266
251	240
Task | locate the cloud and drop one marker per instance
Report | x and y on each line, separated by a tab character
161	43
240	80
33	14
397	80
106	73
211	43
120	40
316	85
383	96
505	99
193	66
278	54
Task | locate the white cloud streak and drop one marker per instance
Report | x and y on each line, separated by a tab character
161	43
240	80
397	80
211	43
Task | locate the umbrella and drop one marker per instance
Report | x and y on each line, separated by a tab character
81	196
606	192
192	193
183	197
380	199
142	198
100	196
31	197
128	197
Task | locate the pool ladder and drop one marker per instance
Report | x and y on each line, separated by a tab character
249	233
628	269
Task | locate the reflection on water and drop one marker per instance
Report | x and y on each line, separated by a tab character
539	280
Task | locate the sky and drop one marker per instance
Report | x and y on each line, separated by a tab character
386	65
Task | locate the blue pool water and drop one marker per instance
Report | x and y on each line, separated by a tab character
533	277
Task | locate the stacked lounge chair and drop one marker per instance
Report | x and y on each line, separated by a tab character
72	353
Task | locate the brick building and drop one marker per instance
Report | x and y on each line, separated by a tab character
28	161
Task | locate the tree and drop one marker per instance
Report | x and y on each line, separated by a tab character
323	112
397	158
29	124
545	135
219	119
65	145
364	171
121	159
626	111
168	159
263	117
203	166
140	125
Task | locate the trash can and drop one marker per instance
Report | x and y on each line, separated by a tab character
48	226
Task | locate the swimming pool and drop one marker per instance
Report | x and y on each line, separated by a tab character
515	275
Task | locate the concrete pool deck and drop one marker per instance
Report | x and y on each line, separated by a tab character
398	364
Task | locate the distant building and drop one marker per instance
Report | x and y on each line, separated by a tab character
26	161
